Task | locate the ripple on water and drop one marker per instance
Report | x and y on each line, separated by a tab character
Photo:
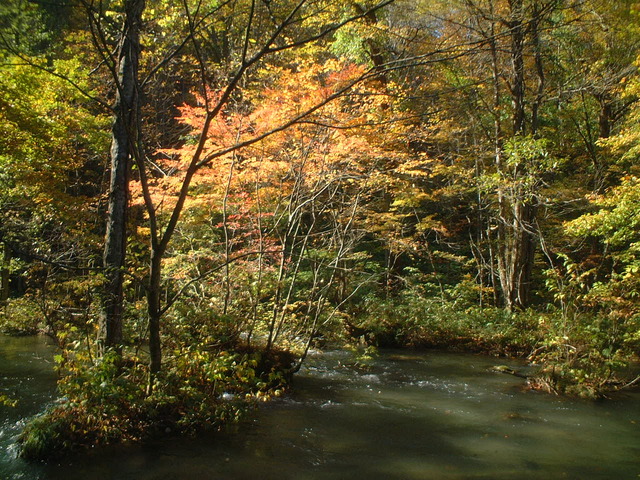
330	404
408	417
370	378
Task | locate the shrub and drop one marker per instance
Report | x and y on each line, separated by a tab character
106	402
21	316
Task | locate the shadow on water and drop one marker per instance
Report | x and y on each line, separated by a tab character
410	416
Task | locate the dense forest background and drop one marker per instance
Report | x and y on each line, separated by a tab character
193	194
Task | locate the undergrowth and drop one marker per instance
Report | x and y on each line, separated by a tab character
107	403
576	354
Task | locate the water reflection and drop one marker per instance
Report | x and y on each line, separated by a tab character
410	416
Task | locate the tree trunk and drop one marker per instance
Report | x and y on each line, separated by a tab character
605	119
605	115
122	145
517	210
373	48
517	255
497	132
540	74
154	312
4	274
517	60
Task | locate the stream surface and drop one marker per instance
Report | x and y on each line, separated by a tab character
426	415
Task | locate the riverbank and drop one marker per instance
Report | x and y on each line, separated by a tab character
202	387
579	355
411	415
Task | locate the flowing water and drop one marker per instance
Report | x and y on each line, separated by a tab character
26	375
410	416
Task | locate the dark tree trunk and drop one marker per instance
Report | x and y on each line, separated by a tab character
154	312
605	115
4	274
517	60
122	145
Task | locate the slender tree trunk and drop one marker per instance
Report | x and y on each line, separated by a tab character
4	274
227	239
502	228
154	312
518	90
540	74
258	290
122	145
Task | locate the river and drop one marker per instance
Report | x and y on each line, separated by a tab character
426	415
